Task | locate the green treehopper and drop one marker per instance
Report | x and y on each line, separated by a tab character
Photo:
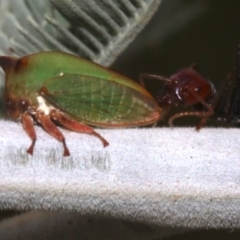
50	88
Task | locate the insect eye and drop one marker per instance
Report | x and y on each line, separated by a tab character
197	89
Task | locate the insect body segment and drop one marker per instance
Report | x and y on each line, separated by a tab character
50	88
186	87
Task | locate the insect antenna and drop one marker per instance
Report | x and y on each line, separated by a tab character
143	76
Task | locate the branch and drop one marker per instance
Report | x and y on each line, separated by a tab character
169	177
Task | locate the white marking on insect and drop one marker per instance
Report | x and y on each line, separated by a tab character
43	106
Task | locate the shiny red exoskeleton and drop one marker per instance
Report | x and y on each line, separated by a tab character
188	87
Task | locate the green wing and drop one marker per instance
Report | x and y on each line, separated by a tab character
100	102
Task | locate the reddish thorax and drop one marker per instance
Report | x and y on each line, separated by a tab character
183	87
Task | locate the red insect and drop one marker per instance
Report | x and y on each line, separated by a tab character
186	87
189	88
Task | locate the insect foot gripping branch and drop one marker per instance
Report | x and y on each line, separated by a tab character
50	88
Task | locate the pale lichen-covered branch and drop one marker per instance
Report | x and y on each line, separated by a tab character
169	177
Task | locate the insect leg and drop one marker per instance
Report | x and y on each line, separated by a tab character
28	126
51	129
204	115
75	126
